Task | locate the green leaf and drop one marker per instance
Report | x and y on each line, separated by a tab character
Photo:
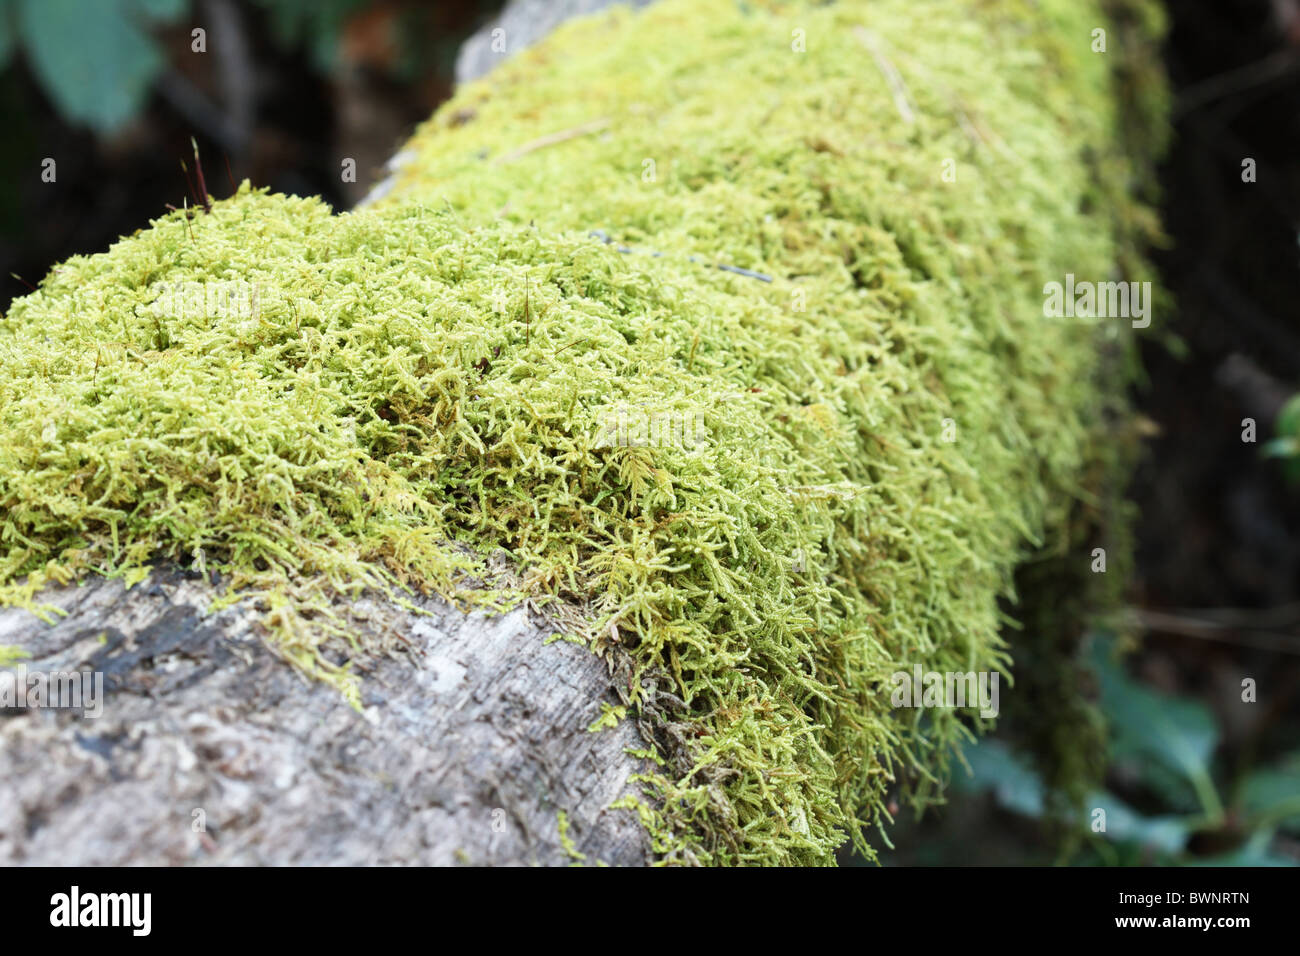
1178	734
1255	852
1015	784
1272	794
1288	420
1166	834
1282	448
91	58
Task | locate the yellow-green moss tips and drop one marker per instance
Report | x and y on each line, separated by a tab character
888	427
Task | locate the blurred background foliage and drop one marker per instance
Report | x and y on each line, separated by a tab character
113	90
285	90
1171	797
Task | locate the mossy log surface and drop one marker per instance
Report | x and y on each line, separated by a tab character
811	238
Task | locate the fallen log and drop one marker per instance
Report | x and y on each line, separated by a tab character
822	231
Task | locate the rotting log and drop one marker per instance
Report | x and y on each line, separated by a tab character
831	239
472	740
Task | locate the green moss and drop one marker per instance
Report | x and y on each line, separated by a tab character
427	383
11	655
566	841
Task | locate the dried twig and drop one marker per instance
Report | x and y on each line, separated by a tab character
595	126
198	172
902	99
749	273
1233	82
1212	630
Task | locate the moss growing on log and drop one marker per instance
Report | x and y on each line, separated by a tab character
876	437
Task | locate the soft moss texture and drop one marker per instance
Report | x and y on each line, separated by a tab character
425	382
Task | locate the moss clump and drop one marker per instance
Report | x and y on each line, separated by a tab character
888	427
11	655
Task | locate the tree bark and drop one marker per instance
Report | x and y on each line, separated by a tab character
211	750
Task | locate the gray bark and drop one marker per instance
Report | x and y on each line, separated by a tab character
470	744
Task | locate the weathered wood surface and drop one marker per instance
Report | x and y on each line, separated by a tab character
468	747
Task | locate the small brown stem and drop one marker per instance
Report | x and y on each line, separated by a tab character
1209	630
198	171
189	183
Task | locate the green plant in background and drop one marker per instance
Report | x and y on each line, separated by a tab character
1162	749
1287	443
96	61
